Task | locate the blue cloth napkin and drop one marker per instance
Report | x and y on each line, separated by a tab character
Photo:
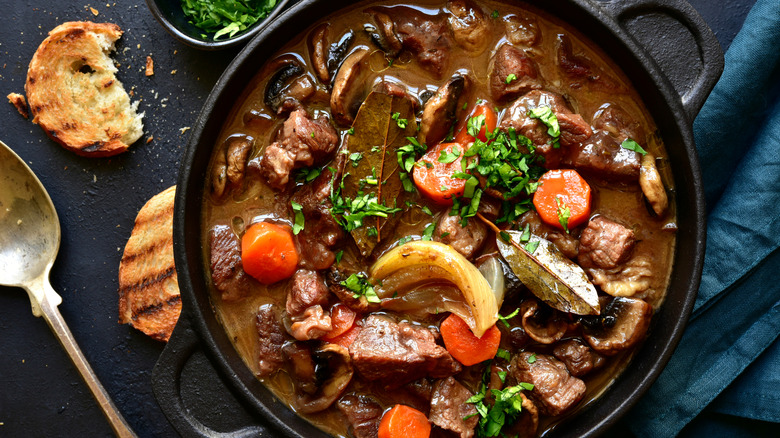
728	360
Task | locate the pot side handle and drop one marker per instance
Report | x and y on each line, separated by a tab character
678	39
180	367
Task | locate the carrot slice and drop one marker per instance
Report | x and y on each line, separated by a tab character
342	318
268	252
433	173
404	422
563	198
483	109
464	346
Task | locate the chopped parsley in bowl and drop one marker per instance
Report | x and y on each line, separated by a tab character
214	24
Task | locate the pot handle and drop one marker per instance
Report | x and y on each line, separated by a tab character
670	31
182	350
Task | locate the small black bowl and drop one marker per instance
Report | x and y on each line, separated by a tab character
170	14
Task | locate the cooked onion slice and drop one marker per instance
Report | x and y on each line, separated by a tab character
431	262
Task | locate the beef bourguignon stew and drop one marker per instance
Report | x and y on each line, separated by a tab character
445	218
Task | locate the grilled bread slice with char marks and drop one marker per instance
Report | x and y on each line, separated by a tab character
149	296
74	94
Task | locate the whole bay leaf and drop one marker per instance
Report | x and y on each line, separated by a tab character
549	275
376	137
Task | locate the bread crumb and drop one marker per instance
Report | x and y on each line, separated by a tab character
20	103
94	11
149	140
184	129
149	66
173	72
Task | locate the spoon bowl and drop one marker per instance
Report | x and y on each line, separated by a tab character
29	241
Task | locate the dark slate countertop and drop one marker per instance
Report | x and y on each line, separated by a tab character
97	199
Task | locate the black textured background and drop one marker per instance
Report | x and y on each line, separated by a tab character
41	393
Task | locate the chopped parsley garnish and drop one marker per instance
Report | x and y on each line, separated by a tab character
349	213
505	236
425	209
563	214
531	246
510	316
355	158
404	240
445	234
510	77
299	220
449	157
312	135
631	145
546	115
503	354
360	286
351	131
495	13
402	123
474	125
406	182
307	174
339	255
372	232
507	405
428	232
532	358
225	17
526	236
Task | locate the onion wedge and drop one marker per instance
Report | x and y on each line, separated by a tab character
450	266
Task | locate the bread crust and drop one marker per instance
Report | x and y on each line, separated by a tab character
74	95
149	297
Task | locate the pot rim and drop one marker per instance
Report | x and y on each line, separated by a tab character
619	397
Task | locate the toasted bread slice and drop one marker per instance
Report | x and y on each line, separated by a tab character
149	296
74	95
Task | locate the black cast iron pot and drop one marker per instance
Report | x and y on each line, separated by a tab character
663	46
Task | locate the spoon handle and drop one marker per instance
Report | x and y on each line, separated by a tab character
53	316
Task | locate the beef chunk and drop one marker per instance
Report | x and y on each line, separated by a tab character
618	123
605	244
470	28
574	129
312	324
466	240
449	408
334	277
303	141
321	231
305	300
307	289
507	61
522	30
581	71
399	352
227	271
555	390
578	357
426	37
601	156
271	341
363	414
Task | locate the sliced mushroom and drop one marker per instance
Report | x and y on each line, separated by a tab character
652	186
318	46
230	164
439	112
288	85
238	150
350	86
470	28
334	371
301	366
219	176
541	323
384	34
622	324
627	280
338	51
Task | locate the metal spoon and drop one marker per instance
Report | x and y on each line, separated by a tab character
29	240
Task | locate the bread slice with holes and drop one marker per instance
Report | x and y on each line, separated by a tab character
149	296
73	92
